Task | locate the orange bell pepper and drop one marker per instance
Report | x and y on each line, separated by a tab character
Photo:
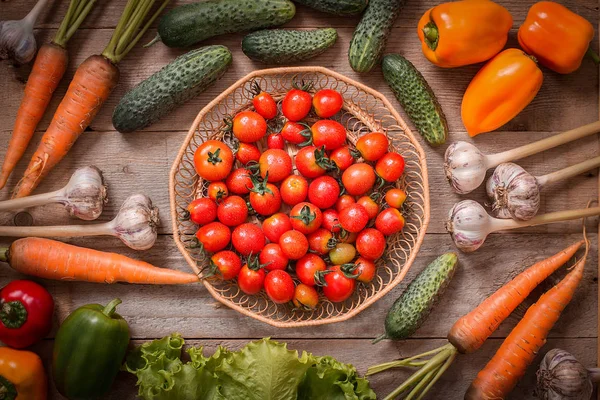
556	36
22	375
463	32
500	91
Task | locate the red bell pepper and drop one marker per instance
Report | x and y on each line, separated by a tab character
26	310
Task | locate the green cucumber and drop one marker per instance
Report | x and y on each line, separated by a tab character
411	309
336	7
371	33
281	46
416	97
191	23
177	82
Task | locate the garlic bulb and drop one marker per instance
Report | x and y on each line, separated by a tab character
562	377
514	192
136	222
16	37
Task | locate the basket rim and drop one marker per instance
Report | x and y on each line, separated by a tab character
407	132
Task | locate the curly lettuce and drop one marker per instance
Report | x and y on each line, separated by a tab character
262	370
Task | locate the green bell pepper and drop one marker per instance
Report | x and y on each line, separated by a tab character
88	351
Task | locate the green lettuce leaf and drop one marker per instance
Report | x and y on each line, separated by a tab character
262	370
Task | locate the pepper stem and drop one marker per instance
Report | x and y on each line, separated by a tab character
593	55
111	307
13	314
4	254
432	35
7	389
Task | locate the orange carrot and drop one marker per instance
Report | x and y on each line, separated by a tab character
48	69
51	259
503	371
93	82
471	331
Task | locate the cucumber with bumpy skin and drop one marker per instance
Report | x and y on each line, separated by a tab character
371	33
411	309
416	97
336	7
281	46
183	78
191	23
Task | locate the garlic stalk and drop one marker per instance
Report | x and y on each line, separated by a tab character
83	196
16	37
561	377
135	225
465	165
515	193
469	224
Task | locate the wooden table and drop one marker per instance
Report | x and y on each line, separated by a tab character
139	162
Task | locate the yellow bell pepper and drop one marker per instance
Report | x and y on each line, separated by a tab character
22	375
463	32
500	91
556	36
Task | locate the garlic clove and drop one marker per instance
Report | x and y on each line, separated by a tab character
514	192
465	167
468	225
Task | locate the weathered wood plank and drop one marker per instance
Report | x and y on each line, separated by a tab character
193	312
548	112
361	353
140	163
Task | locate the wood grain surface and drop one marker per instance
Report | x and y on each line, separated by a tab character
139	162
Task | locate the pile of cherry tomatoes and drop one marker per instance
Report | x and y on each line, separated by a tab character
342	201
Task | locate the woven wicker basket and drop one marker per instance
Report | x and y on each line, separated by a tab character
364	110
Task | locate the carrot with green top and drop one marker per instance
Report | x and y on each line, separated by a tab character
48	69
50	259
93	82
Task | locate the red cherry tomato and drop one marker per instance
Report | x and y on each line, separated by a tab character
372	146
328	133
321	241
311	162
389	221
246	153
370	244
370	205
327	103
265	198
275	226
294	190
214	236
342	157
251	281
217	191
358	179
365	269
296	104
353	218
293	244
305	297
275	141
26	316
233	211
395	197
306	217
248	239
338	286
202	211
292	132
239	181
344	201
249	127
272	257
279	286
226	264
265	105
390	167
308	266
213	160
323	192
331	221
276	163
